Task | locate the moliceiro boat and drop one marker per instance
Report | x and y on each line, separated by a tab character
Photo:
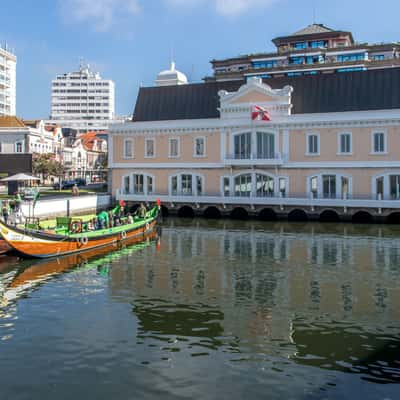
71	235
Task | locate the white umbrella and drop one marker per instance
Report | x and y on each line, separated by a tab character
20	177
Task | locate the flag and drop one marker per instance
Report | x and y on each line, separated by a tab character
260	114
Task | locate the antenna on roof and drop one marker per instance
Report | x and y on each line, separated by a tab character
314	11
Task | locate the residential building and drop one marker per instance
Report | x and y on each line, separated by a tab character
83	155
316	49
27	136
82	100
332	145
8	85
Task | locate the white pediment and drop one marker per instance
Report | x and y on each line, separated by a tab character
255	92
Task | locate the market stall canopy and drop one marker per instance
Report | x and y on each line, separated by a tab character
20	177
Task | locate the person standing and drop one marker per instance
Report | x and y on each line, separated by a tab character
75	190
5	211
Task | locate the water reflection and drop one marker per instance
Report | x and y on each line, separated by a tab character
326	298
283	310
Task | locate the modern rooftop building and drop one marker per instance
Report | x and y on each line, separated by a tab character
8	64
313	50
82	100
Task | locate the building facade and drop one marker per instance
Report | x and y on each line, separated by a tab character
8	81
337	152
83	100
313	50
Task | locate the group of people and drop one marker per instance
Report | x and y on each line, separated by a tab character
11	208
116	217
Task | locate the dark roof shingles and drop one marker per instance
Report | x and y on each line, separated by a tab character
352	91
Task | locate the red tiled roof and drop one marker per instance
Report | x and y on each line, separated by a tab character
88	139
11	122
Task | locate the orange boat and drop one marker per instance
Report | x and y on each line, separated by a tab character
28	278
43	244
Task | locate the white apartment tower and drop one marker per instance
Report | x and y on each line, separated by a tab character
82	100
8	86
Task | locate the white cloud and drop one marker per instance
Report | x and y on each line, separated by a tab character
223	7
235	7
99	14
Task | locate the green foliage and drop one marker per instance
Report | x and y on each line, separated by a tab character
46	165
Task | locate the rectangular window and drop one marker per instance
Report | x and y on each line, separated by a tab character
351	57
128	148
149	185
300	45
138	184
318	43
329	186
174	185
242	145
345	143
173	147
199	185
199	147
186	184
379	145
149	148
378	57
312	144
126	185
18	147
226	184
265	145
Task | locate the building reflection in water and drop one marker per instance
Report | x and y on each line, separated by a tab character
325	296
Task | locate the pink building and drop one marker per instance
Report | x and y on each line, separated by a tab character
330	150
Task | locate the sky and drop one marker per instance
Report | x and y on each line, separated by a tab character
130	41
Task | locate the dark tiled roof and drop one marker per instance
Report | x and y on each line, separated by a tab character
311	29
347	91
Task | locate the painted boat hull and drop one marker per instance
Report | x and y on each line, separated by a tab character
42	245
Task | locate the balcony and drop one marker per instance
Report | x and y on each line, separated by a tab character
254	159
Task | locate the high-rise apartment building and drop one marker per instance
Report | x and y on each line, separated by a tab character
82	100
8	67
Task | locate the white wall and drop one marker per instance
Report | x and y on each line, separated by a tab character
77	205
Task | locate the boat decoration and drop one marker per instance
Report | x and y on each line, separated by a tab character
73	235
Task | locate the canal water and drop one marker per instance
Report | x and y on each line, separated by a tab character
210	310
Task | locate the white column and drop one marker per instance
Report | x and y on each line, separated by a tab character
223	144
386	188
285	145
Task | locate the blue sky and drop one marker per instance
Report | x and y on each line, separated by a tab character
130	41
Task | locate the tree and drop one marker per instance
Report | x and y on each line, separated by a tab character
45	165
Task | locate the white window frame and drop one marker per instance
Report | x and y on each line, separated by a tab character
179	147
21	142
132	148
373	133
178	177
318	144
145	147
339	139
194	147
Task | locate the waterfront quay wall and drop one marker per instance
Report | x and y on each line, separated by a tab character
67	205
294	209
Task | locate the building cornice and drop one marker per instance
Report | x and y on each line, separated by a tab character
349	119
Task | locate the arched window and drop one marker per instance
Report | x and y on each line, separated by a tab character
265	185
242	185
387	186
139	184
186	184
330	186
